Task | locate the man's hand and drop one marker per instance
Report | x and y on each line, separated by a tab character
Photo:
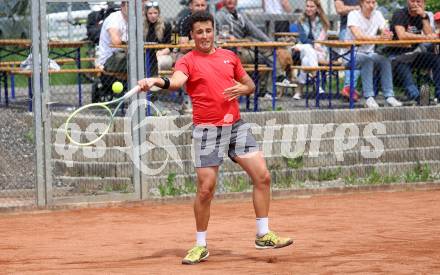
386	35
432	36
147	83
235	91
419	10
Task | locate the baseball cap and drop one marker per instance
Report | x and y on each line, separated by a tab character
437	16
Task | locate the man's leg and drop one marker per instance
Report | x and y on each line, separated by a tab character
345	90
365	63
208	155
255	166
404	75
386	76
206	180
430	61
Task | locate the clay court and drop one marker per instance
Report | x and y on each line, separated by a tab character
379	232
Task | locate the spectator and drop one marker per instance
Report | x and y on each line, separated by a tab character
183	26
278	7
364	24
114	32
313	26
159	31
410	23
343	8
241	27
437	22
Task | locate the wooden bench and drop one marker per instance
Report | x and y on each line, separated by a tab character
60	61
28	73
321	71
10	68
247	67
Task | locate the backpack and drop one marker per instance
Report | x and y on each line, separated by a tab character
94	22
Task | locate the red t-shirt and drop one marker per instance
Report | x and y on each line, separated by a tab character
208	76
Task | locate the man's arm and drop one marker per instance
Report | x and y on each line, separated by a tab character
177	80
245	86
359	35
402	34
343	9
254	31
427	29
286	6
115	36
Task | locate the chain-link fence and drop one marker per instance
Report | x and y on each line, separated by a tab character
95	51
17	139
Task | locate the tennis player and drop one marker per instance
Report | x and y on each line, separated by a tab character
214	80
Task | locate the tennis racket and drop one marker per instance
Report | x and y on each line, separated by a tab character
106	108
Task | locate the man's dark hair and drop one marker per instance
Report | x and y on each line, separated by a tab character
200	16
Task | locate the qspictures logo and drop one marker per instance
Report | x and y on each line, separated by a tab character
276	139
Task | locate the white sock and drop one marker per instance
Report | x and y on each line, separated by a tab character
201	238
262	226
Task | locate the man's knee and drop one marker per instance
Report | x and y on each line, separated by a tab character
206	190
263	179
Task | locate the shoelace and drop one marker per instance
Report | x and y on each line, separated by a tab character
273	237
194	251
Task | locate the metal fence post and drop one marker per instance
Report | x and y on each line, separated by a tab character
38	121
134	36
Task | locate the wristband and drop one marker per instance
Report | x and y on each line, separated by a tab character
166	84
426	17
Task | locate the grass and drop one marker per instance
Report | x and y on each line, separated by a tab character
326	175
294	163
287	182
122	188
238	185
171	189
420	173
30	135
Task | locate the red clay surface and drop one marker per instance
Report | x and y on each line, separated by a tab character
393	233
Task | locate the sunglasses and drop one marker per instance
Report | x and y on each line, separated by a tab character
152	4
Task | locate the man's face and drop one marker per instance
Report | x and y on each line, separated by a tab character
124	9
230	4
203	35
414	5
198	5
368	5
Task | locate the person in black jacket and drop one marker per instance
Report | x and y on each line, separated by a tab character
156	30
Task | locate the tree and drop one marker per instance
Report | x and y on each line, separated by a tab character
433	5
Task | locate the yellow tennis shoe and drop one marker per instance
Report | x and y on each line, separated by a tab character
272	240
196	255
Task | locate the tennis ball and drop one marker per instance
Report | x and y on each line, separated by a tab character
117	87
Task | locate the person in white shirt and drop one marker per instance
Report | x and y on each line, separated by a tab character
277	6
365	24
113	32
